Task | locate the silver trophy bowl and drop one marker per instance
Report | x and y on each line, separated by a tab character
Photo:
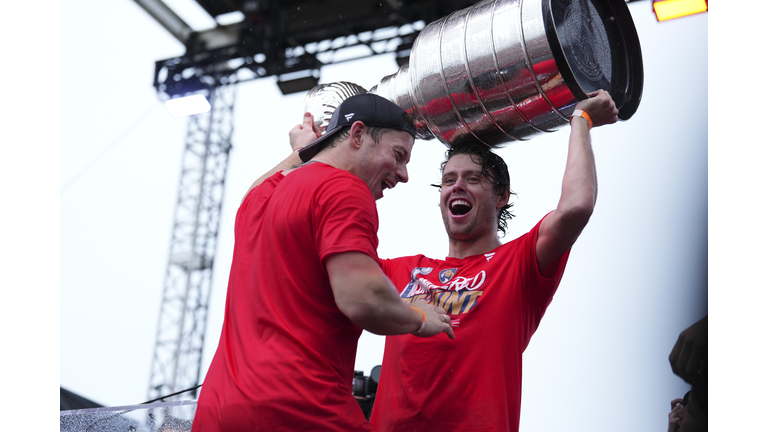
322	100
506	70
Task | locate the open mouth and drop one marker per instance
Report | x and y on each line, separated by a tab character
460	207
386	184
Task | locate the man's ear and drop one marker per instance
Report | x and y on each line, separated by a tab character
356	132
502	199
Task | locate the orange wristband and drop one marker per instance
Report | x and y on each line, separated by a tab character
583	114
423	322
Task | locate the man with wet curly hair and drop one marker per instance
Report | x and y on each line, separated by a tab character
495	293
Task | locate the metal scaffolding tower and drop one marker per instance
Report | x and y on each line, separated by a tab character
187	289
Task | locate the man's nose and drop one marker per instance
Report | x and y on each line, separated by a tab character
460	185
402	175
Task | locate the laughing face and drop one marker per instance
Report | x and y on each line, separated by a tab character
468	203
382	166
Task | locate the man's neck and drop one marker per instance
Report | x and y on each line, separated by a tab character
337	157
458	248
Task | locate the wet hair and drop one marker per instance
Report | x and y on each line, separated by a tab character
493	168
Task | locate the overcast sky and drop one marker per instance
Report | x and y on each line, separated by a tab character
636	277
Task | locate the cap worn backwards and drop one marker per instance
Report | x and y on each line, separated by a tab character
369	108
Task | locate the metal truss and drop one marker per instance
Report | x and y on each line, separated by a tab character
291	39
188	278
236	63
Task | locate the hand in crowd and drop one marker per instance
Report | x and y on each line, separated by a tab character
676	415
600	107
437	320
303	134
689	351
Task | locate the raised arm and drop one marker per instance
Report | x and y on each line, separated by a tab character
560	229
367	297
301	135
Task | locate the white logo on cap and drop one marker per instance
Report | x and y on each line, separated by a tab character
349	116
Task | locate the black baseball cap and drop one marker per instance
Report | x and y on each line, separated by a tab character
369	108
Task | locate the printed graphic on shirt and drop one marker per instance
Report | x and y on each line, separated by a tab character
446	275
456	294
408	290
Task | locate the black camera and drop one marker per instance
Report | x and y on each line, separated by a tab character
365	386
364	389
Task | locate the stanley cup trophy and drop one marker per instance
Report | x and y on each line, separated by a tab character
506	70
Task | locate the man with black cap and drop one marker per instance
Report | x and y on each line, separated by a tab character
305	281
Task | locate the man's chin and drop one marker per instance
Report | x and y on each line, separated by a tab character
378	194
458	232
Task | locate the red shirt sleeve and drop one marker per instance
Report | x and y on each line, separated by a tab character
539	290
346	218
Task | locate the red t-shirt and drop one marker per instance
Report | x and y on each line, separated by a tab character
285	359
472	383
